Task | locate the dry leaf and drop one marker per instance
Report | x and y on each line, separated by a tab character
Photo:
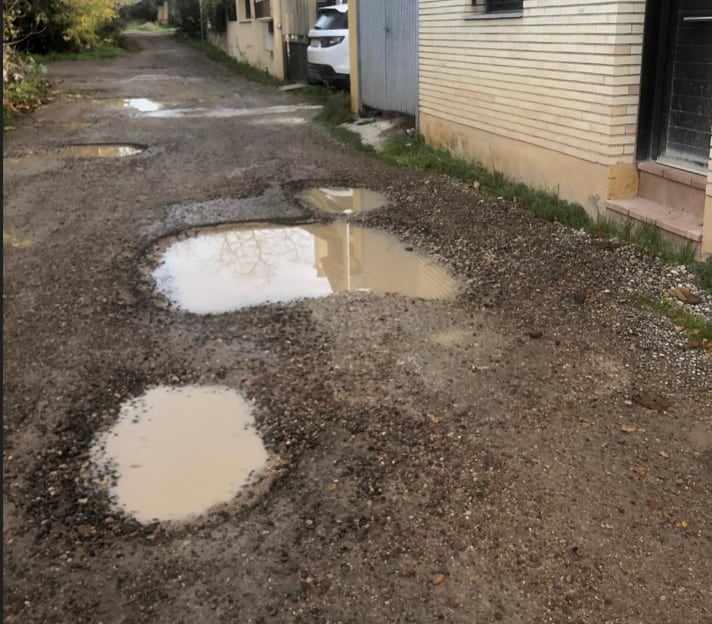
664	454
655	503
628	428
652	401
438	579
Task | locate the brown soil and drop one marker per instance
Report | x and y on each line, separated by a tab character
478	459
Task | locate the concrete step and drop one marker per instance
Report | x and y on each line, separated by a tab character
676	188
681	226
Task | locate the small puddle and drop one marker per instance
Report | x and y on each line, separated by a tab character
225	269
175	452
343	200
218	113
15	239
142	105
89	150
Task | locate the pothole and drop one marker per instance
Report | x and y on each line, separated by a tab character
343	200
142	105
86	150
228	268
175	452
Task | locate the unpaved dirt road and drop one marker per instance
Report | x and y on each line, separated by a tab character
478	459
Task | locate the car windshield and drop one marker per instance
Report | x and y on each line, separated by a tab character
331	19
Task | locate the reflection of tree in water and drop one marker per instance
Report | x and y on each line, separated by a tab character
249	253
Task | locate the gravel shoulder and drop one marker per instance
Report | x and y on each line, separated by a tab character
535	450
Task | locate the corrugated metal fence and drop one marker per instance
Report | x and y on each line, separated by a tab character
388	55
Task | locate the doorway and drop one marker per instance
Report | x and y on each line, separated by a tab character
676	85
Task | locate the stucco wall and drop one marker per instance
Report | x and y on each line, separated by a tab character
245	40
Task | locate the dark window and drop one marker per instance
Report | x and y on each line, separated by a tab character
497	6
262	8
246	9
231	10
331	19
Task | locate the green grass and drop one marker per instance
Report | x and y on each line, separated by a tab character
103	51
696	327
702	271
414	152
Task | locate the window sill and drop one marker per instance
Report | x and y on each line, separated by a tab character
263	19
492	16
245	21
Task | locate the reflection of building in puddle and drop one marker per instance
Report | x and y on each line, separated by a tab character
343	200
357	258
227	269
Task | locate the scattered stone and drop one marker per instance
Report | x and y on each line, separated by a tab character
438	579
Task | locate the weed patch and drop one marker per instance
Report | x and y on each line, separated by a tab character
102	51
696	327
702	271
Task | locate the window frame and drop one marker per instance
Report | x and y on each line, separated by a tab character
245	12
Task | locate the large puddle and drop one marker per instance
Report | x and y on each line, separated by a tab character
343	200
225	269
175	452
223	113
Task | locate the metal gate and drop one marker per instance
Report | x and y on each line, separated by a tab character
388	55
298	16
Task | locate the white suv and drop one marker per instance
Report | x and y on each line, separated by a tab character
328	51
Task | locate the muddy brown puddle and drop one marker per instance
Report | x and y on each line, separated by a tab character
175	452
225	269
88	150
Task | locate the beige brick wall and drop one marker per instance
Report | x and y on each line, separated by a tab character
564	76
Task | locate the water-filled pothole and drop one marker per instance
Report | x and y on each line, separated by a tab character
343	200
224	269
86	150
175	452
142	105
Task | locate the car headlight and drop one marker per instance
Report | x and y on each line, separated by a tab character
324	42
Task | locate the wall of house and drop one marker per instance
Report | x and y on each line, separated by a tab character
247	39
550	98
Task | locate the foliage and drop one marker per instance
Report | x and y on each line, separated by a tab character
141	11
185	15
24	80
42	26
